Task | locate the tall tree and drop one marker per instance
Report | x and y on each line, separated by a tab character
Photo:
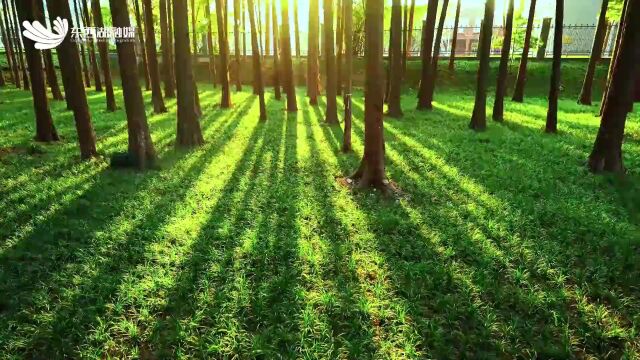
501	86
614	54
140	149
330	60
236	36
436	53
454	40
223	73
409	43
339	44
427	68
212	57
313	63
189	133
607	149
50	71
479	117
257	68
348	34
69	60
554	90
152	59
296	28
166	41
395	55
596	53
287	62
371	173
276	60
143	46
45	130
9	49
518	93
83	56
26	84
267	27
88	20
104	57
14	32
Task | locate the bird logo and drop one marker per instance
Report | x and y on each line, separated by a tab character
45	39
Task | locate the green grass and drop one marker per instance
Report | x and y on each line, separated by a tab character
501	246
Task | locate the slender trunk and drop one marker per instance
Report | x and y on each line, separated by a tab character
395	57
166	43
613	56
225	102
518	94
554	90
296	28
244	28
479	117
596	53
501	86
427	67
257	68
607	149
212	57
276	59
104	57
544	38
409	44
405	25
8	46
267	27
194	59
189	133
141	149
83	55
15	29
436	53
52	78
172	62
454	40
313	63
371	173
69	60
92	50
143	46
287	62
348	34
339	43
236	38
330	60
152	59
45	130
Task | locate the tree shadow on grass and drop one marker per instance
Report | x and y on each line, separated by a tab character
65	271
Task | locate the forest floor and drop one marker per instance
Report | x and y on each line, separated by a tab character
501	244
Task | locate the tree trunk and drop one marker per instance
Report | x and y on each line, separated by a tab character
26	84
15	33
172	62
194	58
596	53
69	60
330	60
152	59
287	62
45	130
339	43
405	29
371	173
8	46
348	64
143	46
313	63
479	117
225	102
613	56
212	57
244	27
83	55
427	67
410	30
104	57
276	59
454	40
236	36
141	148
607	149
436	53
296	28
257	68
267	27
166	42
189	133
544	38
92	50
554	91
501	86
50	71
518	93
395	56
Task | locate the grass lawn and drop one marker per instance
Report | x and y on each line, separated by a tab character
501	244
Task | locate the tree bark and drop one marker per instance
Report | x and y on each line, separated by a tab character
479	117
454	40
518	93
26	84
140	144
83	55
276	59
395	66
330	60
287	62
225	102
152	59
143	46
427	44
166	42
19	56
348	34
257	68
554	91
236	36
313	63
69	60
436	53
613	55
97	81
410	30
104	57
9	52
606	155
596	53
45	130
371	173
189	133
212	57
50	71
339	44
503	71
296	28
544	38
